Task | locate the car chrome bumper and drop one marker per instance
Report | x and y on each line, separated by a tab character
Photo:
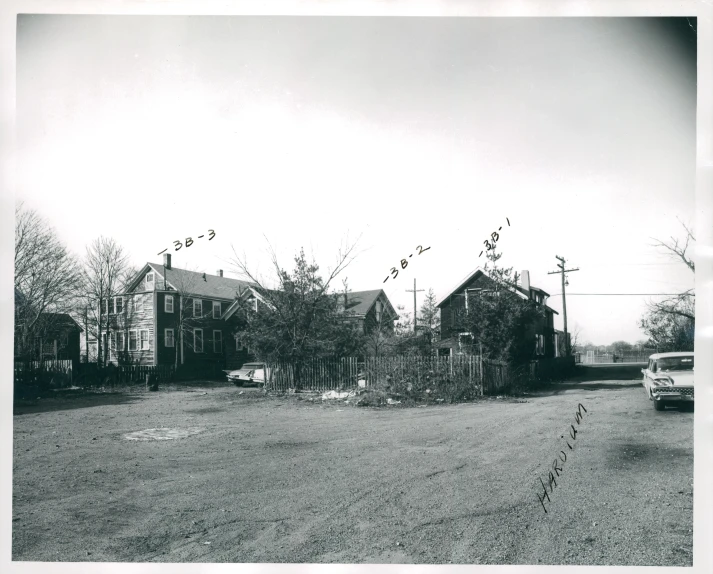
672	394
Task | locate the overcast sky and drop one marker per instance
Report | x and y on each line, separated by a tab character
406	131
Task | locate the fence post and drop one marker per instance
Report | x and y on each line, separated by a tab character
481	374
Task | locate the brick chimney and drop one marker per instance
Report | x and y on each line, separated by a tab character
220	272
525	281
167	260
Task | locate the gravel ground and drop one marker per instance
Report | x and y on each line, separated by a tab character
276	479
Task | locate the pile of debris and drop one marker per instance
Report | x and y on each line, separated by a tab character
361	397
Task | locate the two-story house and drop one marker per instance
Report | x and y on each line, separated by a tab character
453	341
170	316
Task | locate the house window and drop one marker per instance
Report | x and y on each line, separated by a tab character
117	341
149	280
139	303
197	307
198	340
114	305
217	341
378	311
144	339
168	304
168	337
133	341
216	310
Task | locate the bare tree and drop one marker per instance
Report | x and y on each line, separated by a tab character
683	304
104	277
678	248
670	323
46	277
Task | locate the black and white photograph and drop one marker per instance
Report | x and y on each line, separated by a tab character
324	288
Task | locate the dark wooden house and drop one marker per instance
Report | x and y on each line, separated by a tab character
58	339
454	341
369	310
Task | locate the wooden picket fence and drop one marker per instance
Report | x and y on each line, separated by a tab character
315	374
59	371
92	375
458	377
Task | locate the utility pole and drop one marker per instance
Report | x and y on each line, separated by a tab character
414	291
562	270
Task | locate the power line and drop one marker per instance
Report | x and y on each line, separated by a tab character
620	294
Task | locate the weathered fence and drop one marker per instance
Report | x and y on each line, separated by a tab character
92	375
458	377
55	373
315	374
455	378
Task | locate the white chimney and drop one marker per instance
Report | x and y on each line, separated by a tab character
525	281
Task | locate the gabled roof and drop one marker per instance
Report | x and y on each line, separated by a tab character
60	321
195	283
480	271
359	303
468	278
240	297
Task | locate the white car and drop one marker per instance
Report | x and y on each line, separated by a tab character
248	373
668	379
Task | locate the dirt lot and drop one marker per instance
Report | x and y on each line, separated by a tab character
266	479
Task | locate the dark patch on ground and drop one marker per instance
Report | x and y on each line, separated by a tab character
74	400
645	455
613	372
288	444
205	410
557	388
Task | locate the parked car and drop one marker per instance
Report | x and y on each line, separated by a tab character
249	373
668	379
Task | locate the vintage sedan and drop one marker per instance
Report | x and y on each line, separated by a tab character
247	374
668	379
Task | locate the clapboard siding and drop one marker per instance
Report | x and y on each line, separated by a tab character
166	320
